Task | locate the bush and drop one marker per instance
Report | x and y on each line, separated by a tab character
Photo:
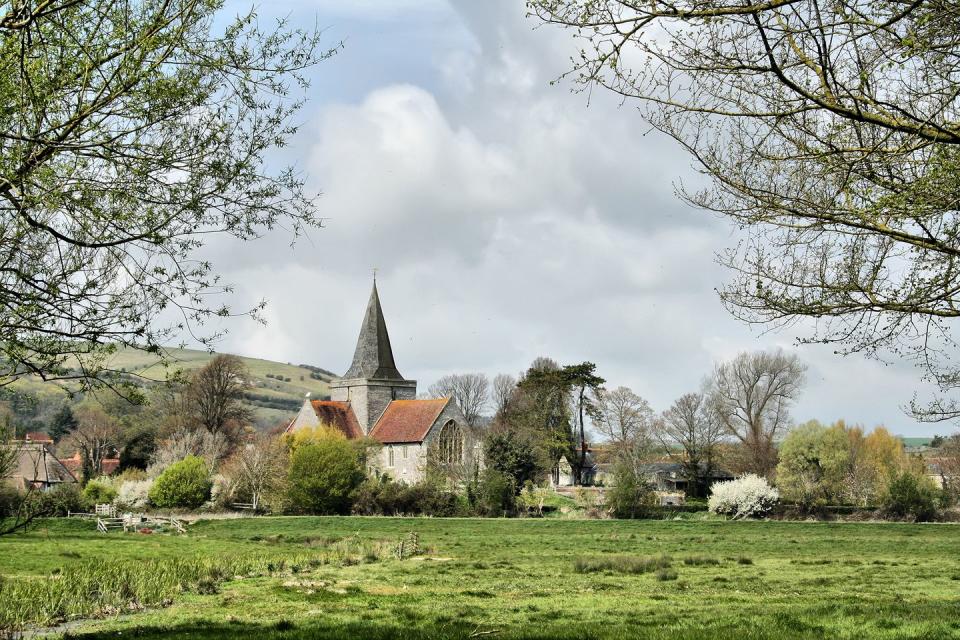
631	495
514	456
910	494
134	494
495	494
9	500
622	564
97	492
746	497
323	476
59	500
182	484
383	496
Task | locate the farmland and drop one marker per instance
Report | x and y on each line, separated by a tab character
536	579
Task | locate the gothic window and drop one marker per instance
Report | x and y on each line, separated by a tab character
390	456
450	443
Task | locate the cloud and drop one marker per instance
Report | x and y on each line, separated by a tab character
508	219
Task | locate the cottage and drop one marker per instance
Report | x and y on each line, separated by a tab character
374	400
37	468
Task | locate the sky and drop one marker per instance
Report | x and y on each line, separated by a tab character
508	217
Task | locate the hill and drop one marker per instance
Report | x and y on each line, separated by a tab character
277	391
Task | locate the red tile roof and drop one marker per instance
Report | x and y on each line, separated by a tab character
336	414
407	420
38	436
75	464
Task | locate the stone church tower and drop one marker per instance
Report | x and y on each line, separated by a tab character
372	381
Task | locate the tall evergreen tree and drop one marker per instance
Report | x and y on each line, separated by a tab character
63	422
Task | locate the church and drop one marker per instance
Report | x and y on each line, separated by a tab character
373	400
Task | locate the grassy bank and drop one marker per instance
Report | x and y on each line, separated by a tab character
539	579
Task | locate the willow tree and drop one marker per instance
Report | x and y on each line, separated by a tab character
829	131
131	131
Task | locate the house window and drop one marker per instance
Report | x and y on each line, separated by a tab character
450	443
390	456
405	447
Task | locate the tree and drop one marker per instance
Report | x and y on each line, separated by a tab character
504	386
139	450
691	424
815	464
751	396
948	461
631	495
213	399
830	133
509	453
184	484
910	493
62	423
322	476
471	392
131	131
624	420
199	443
583	383
96	437
258	468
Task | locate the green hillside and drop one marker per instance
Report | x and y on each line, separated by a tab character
277	391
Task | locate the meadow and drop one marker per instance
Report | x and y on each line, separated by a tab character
518	578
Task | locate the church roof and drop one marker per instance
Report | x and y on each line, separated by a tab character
408	420
373	357
335	414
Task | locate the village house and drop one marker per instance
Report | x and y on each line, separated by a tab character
36	467
374	400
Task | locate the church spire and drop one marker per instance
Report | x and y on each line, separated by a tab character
373	358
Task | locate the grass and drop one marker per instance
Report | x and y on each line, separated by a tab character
527	579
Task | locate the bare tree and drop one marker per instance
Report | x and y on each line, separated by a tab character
751	397
258	468
471	391
213	399
504	386
212	447
831	135
97	436
690	424
624	420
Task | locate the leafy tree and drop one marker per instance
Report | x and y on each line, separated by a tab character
185	484
631	495
509	453
97	493
584	384
322	476
132	131
496	494
751	396
62	423
138	450
829	131
910	493
815	464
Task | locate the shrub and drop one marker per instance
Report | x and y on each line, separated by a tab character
134	494
514	456
98	492
495	494
910	494
631	495
182	484
746	497
58	500
323	475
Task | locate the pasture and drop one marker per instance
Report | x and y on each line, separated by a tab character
495	578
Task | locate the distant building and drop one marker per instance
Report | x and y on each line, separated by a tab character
38	437
107	465
374	400
38	468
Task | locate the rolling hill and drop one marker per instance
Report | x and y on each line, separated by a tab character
277	391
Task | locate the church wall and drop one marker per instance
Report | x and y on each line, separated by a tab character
369	398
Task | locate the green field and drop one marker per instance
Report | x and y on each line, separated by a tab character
540	579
